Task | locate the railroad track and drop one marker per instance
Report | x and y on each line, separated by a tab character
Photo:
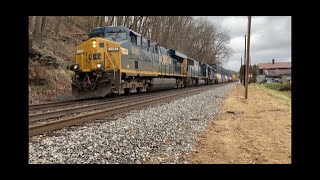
90	107
115	108
55	104
35	109
64	104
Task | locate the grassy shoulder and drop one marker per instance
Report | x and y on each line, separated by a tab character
276	91
256	130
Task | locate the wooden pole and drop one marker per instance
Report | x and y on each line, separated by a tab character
249	68
248	55
244	60
240	71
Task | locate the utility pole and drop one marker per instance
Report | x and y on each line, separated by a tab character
240	71
248	55
244	60
249	68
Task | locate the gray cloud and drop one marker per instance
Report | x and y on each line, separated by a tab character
270	38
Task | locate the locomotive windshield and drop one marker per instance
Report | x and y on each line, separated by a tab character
116	36
99	32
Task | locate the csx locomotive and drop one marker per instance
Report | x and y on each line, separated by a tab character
118	60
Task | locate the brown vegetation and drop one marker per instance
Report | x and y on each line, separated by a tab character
252	131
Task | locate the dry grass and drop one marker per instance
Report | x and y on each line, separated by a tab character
252	131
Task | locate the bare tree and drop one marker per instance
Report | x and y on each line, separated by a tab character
126	21
57	29
32	20
110	21
90	23
99	21
37	30
220	48
196	37
43	24
119	20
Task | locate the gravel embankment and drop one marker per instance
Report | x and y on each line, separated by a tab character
160	134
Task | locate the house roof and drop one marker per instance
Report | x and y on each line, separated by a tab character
276	65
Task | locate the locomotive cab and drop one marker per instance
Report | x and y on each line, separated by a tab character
96	63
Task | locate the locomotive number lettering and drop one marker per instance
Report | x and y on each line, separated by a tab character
135	51
124	51
94	56
165	59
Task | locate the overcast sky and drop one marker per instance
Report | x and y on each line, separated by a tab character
270	38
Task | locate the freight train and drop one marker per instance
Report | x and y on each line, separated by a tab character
117	60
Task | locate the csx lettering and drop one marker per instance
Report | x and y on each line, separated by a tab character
94	56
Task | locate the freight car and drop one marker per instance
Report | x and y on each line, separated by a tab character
118	60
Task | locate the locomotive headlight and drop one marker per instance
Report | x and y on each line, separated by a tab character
94	44
99	65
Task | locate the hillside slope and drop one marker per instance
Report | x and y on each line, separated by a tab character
49	79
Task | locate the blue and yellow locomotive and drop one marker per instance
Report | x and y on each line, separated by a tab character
118	60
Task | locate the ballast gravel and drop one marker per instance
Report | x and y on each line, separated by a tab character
162	133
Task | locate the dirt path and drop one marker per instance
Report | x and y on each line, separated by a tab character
256	131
